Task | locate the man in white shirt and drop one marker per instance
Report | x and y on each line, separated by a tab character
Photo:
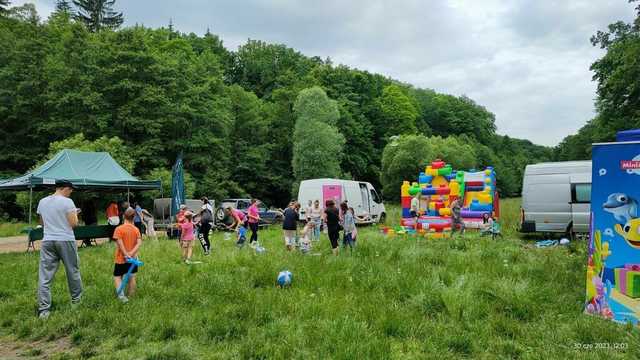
58	215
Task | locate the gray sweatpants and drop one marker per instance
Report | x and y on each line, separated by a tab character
51	253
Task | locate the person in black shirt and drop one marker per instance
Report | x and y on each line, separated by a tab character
331	217
290	225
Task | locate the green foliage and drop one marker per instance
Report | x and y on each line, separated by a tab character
617	102
317	144
251	144
232	114
314	105
402	159
4	5
98	14
164	175
63	6
406	156
398	112
25	13
114	146
262	68
447	114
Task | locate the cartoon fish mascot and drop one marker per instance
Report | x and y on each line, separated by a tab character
630	232
622	207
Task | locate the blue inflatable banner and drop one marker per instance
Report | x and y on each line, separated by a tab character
613	267
177	186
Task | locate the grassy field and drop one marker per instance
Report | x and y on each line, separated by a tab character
466	297
11	228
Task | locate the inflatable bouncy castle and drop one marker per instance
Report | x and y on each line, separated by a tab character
438	186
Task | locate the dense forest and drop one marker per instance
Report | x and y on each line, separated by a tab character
244	119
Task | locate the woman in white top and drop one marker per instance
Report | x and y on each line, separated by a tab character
314	215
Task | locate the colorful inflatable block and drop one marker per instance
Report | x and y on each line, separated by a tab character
627	280
439	184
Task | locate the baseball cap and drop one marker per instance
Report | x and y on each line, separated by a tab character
183	206
62	183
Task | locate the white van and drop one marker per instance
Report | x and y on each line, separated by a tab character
556	197
361	196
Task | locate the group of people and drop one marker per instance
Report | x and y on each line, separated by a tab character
142	219
59	215
200	223
335	219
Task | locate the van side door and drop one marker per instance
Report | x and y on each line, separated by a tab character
376	204
580	206
365	204
546	200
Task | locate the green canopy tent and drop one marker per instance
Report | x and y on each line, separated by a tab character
96	171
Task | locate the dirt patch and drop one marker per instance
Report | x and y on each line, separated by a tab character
40	349
20	244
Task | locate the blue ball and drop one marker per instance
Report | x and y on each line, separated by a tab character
284	278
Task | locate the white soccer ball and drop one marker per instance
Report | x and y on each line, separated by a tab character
284	278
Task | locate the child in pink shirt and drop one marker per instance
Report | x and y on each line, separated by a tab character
253	216
187	237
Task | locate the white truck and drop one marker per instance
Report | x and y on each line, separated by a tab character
361	196
556	197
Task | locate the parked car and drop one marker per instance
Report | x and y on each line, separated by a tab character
361	196
556	197
267	216
161	211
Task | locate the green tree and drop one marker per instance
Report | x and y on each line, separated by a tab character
313	104
402	159
406	156
398	112
98	14
63	6
618	91
262	68
25	13
164	175
4	6
251	144
317	144
114	146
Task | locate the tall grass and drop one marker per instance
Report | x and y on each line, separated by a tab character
466	297
12	228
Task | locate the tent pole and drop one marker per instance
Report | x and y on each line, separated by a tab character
129	201
162	197
30	202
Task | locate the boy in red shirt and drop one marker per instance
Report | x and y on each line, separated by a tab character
128	240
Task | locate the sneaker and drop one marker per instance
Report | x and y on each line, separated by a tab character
188	262
44	315
207	253
123	299
254	244
75	304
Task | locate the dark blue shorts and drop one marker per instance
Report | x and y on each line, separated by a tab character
121	269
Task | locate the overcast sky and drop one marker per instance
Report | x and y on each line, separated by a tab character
527	61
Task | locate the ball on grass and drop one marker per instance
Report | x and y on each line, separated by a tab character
284	278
